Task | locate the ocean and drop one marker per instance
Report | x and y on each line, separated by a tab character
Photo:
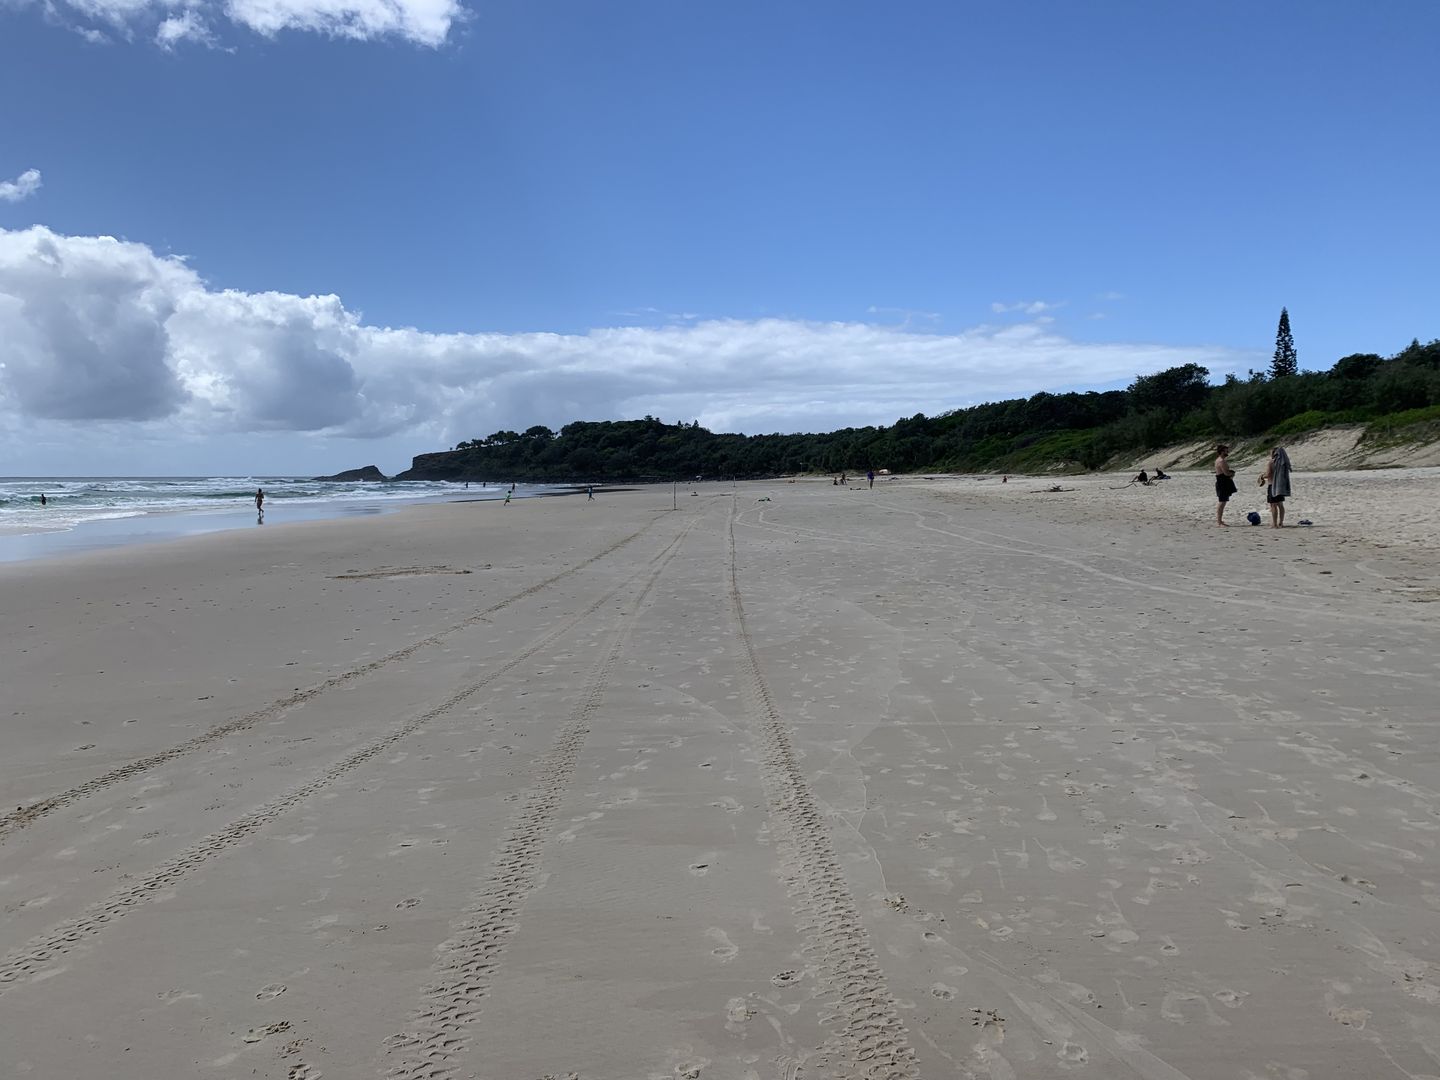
88	512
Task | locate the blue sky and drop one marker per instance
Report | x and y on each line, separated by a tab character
345	238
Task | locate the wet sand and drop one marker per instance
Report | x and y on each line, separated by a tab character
911	782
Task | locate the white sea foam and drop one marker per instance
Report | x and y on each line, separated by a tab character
77	500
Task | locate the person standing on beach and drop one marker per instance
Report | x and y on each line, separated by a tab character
1224	482
871	477
589	492
1276	480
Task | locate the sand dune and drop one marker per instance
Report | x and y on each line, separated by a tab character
942	779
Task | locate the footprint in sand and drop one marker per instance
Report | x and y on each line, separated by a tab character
255	1035
1356	1018
408	902
943	992
1073	1054
725	949
737	1014
274	990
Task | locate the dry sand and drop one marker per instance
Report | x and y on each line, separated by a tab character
1384	508
934	780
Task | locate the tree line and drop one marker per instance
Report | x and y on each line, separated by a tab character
1395	396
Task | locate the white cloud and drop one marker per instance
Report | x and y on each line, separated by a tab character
136	346
422	22
187	26
425	22
22	187
1027	307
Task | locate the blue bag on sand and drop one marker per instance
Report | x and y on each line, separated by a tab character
1253	517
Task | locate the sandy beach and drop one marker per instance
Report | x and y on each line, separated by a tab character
942	779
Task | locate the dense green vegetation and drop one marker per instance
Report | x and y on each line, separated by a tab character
1397	397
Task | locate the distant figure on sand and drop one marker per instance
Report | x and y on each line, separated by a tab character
260	499
1276	479
1160	474
1142	478
1224	482
508	494
589	492
871	477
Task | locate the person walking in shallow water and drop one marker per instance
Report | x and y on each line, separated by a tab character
259	506
1276	480
1224	483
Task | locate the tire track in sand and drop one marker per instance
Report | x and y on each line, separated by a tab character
34	957
465	963
870	1040
22	816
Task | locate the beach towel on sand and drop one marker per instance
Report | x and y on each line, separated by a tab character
1279	485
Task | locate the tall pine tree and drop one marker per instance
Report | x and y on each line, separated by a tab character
1285	362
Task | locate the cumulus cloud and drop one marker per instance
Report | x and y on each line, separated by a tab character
22	187
98	329
83	322
171	22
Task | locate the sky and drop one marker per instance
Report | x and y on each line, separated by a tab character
299	236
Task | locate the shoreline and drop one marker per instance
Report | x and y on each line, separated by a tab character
162	526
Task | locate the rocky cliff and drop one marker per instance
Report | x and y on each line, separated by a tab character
441	465
369	472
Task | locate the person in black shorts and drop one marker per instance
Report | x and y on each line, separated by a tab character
1276	481
1224	483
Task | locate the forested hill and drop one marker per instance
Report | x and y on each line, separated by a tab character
1398	397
